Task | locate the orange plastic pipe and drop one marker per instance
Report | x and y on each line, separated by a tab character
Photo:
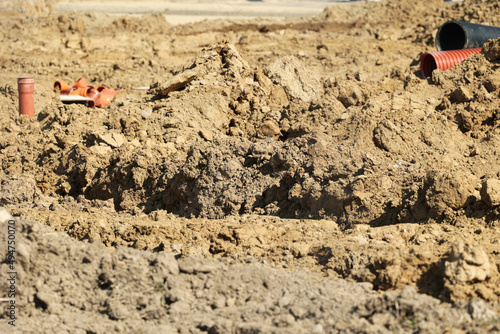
62	86
80	83
444	60
82	91
105	96
92	93
101	96
26	88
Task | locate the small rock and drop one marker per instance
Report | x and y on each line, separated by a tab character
467	263
119	139
180	140
116	310
462	94
491	50
235	131
291	74
219	302
279	96
318	328
446	189
167	263
135	142
270	129
177	82
481	310
5	215
103	150
300	249
17	189
230	302
114	140
207	135
351	94
299	312
145	113
143	135
108	139
490	192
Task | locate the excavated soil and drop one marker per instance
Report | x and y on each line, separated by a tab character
250	176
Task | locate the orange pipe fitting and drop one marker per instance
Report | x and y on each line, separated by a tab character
92	93
101	96
80	83
62	86
82	91
105	96
26	88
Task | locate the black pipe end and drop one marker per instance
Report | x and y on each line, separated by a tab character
451	36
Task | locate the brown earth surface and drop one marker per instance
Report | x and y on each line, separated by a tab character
251	176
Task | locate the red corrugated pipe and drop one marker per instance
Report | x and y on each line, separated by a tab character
444	60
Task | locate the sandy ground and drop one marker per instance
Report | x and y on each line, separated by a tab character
277	174
194	11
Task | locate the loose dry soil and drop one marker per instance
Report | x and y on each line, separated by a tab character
276	176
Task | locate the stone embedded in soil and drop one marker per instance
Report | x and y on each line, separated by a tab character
207	135
467	263
116	310
114	140
4	215
447	190
167	263
178	82
270	129
20	189
300	249
102	150
491	49
481	310
490	192
386	135
145	113
350	93
462	94
290	73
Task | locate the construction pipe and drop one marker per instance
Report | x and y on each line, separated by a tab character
444	60
82	92
26	89
455	35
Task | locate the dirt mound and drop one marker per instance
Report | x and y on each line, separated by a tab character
157	292
311	145
417	23
476	11
470	91
144	24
